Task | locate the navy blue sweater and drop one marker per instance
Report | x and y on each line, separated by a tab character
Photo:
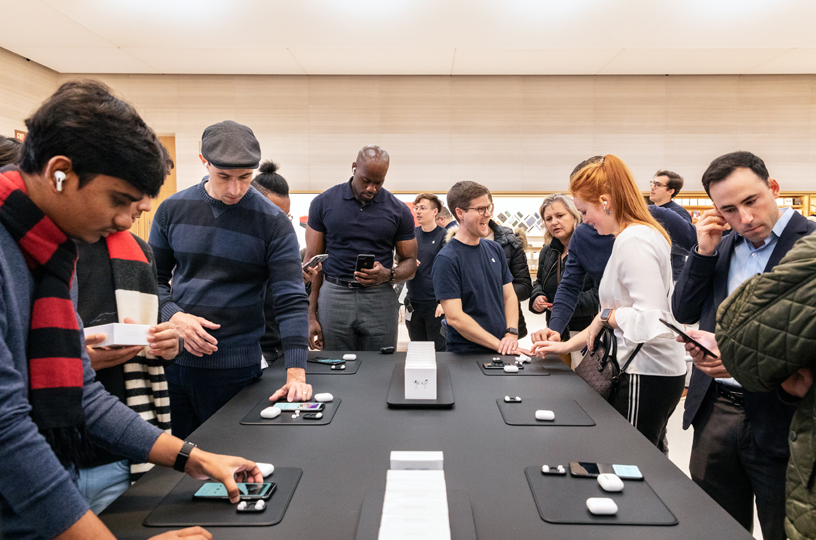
220	258
589	252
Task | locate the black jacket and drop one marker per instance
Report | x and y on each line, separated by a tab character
702	287
517	261
546	283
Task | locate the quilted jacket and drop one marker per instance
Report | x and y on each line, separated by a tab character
766	331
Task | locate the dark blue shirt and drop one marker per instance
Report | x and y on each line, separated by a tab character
476	275
421	289
453	223
682	212
352	228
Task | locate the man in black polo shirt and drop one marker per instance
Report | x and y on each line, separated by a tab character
423	314
351	310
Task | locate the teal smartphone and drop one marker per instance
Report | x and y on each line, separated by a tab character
305	407
249	492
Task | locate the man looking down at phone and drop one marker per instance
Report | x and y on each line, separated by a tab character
353	309
88	162
472	281
224	244
739	451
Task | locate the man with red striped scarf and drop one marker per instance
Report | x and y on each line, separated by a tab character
89	164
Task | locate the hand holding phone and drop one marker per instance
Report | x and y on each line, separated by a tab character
688	339
314	261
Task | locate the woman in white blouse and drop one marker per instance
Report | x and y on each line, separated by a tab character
635	292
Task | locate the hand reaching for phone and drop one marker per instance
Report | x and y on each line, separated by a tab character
713	367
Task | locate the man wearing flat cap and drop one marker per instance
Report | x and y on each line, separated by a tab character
221	242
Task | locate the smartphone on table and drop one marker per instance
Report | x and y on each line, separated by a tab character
314	261
305	407
364	262
249	492
589	469
688	339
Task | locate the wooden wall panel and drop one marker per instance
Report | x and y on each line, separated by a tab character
23	86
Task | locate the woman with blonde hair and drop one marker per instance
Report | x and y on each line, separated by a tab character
635	292
560	220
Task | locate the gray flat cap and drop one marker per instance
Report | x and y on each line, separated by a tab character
230	145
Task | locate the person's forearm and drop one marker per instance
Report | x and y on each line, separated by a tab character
88	526
405	269
317	282
511	313
165	450
472	331
295	374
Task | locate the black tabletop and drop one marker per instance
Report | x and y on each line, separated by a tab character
484	457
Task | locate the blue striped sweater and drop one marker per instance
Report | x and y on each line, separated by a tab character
220	258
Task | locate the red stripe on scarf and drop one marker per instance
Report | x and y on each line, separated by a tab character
42	240
16	183
122	245
55	372
53	313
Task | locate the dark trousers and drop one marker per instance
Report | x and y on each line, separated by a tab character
727	463
364	319
196	393
424	325
647	402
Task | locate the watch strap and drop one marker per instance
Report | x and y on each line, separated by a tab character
183	456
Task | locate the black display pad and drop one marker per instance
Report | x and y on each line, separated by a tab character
314	368
179	509
460	515
562	499
567	412
254	418
444	390
534	367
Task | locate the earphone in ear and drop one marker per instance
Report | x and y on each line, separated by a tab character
59	176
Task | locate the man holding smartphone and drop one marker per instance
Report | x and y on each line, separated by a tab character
472	280
740	448
351	309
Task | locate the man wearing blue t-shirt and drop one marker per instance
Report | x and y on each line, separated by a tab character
350	309
423	314
472	280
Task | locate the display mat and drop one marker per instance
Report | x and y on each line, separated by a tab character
460	515
178	509
532	368
562	499
444	390
253	417
567	412
313	368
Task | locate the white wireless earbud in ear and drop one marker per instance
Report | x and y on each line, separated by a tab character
59	176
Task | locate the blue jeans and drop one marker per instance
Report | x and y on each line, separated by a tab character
198	393
102	485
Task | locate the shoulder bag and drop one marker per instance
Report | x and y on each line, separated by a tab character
600	368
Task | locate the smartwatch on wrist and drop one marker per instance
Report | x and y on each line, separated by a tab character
393	273
605	314
512	330
183	456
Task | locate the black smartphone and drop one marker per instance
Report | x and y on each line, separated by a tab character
330	361
249	492
364	261
494	365
589	469
314	261
688	339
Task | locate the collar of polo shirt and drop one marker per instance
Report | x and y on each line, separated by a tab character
348	193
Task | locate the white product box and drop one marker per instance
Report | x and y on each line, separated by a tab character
120	335
420	370
428	482
423	461
405	527
405	503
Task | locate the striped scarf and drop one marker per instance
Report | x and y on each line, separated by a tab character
55	367
137	297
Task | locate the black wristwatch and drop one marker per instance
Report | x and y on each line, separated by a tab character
512	330
183	456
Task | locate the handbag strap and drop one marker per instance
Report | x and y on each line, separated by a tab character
631	357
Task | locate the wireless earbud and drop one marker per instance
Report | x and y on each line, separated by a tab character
59	176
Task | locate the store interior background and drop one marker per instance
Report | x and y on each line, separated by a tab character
512	98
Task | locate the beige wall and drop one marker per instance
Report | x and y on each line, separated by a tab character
511	133
23	86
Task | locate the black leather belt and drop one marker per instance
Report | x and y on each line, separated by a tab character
344	282
736	397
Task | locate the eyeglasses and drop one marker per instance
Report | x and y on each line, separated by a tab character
420	208
655	183
482	210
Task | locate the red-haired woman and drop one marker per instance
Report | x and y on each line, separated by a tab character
635	293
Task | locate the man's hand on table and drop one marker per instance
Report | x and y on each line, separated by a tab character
190	533
225	469
295	388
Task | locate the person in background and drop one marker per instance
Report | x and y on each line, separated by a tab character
89	165
516	257
351	310
219	246
444	218
423	314
560	220
9	150
740	446
472	280
663	189
634	294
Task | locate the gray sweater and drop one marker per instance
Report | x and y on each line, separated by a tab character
38	498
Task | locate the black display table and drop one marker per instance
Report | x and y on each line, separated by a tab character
484	457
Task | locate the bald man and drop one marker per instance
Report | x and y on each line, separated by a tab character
350	309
